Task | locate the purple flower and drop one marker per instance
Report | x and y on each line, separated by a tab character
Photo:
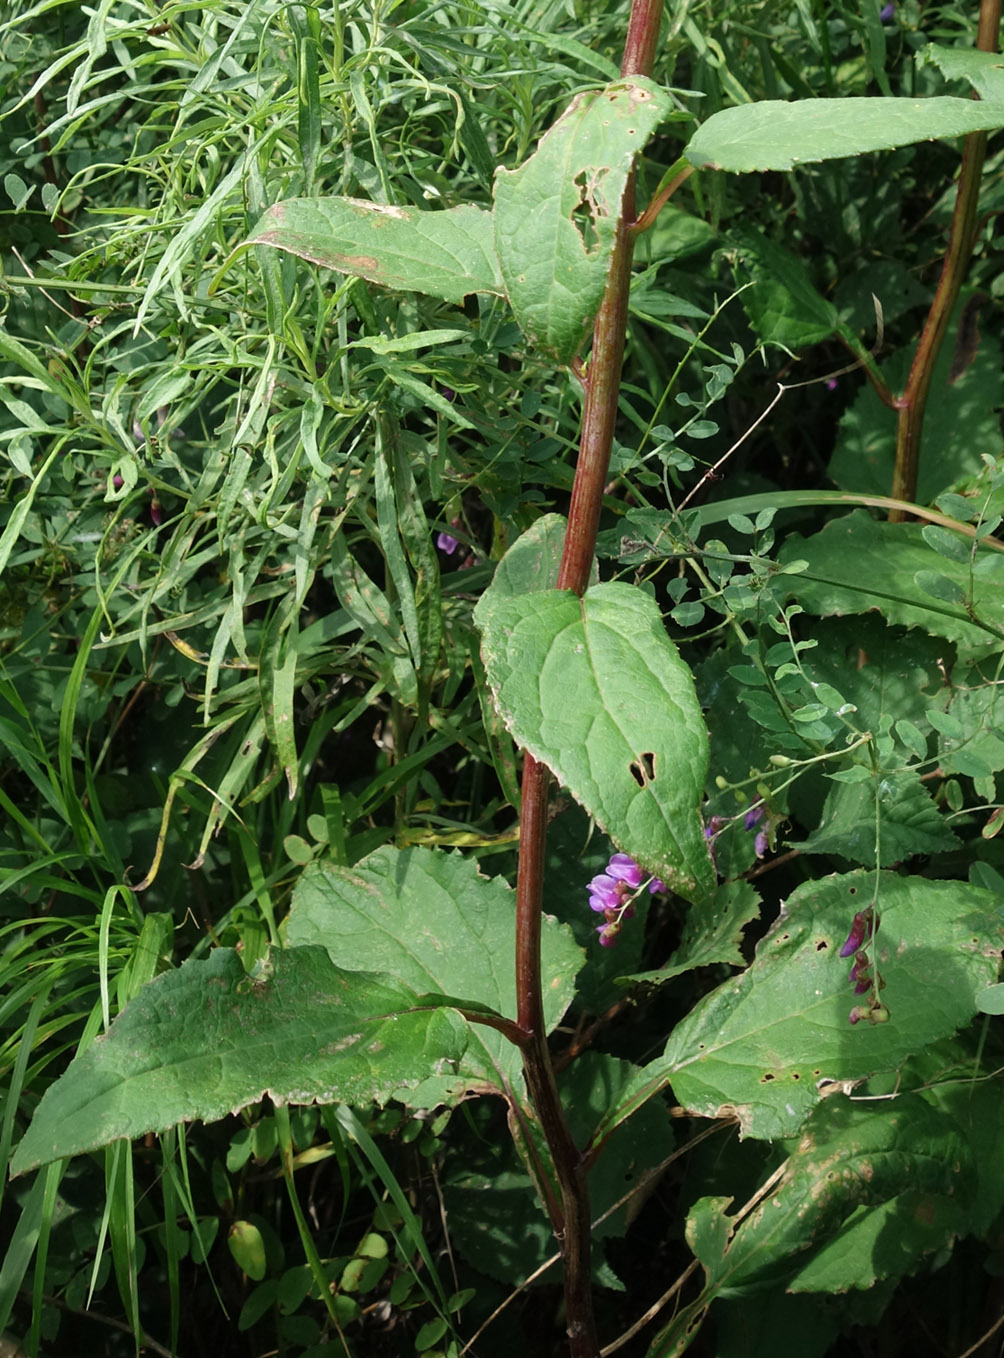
606	893
760	844
886	13
656	885
752	818
611	894
447	543
625	869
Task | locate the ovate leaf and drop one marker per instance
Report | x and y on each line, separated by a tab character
435	924
594	689
446	254
764	1045
882	818
208	1039
774	135
712	934
783	305
857	563
556	217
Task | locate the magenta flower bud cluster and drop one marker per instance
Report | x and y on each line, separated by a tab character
864	926
611	894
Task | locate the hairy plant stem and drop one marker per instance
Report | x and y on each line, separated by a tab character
571	1219
961	239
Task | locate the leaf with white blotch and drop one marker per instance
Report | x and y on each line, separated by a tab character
556	217
595	689
851	1164
775	135
208	1039
447	254
433	922
763	1045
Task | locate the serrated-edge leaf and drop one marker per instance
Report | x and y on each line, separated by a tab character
764	1045
207	1040
430	919
595	689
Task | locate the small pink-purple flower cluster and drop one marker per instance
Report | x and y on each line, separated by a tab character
751	819
612	893
864	926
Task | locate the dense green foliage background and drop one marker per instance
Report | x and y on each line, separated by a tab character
235	644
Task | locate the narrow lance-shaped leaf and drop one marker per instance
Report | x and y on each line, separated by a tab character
446	254
208	1039
774	135
594	688
556	217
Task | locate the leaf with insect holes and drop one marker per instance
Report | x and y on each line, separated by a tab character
556	217
764	1044
595	689
864	1195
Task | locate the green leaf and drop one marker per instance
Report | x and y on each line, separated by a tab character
763	1045
431	921
533	561
983	70
556	217
207	1040
991	1000
774	135
713	934
447	254
17	190
783	306
970	740
857	563
595	689
883	820
849	1157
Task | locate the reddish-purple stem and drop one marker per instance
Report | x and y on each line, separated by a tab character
961	239
571	1220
